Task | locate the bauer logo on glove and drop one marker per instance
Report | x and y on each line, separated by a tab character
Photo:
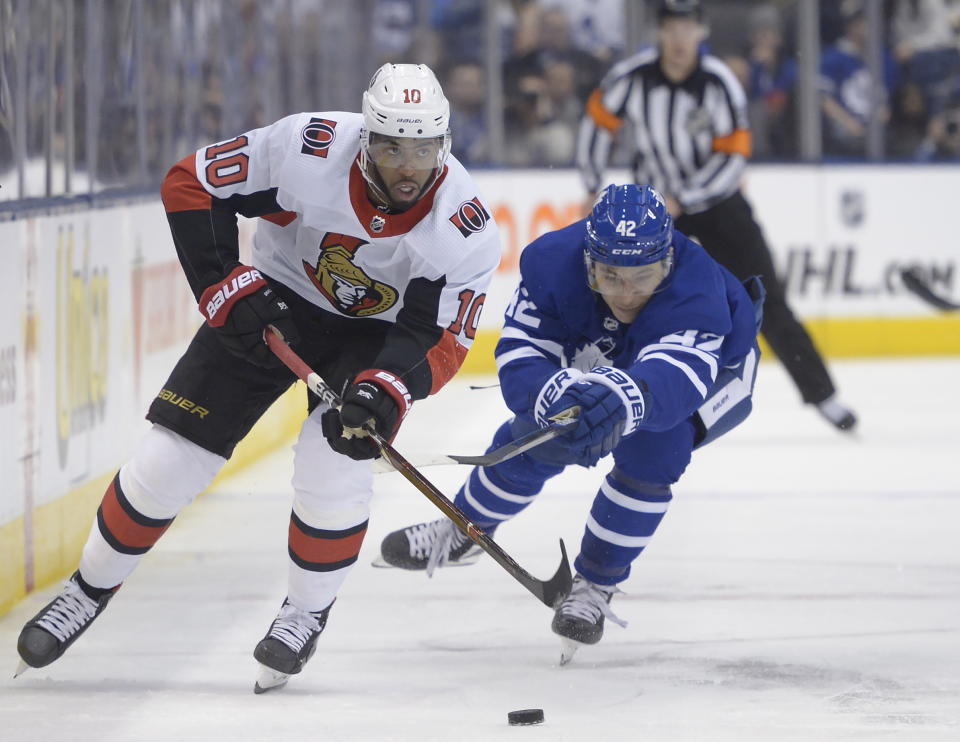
239	283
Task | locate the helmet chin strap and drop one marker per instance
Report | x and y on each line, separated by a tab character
379	189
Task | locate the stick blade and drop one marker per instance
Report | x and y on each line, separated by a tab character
557	587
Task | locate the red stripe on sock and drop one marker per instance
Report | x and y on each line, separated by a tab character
123	527
324	550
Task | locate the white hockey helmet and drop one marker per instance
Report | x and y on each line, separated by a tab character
404	100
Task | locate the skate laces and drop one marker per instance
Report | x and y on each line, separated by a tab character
69	613
588	601
436	540
294	627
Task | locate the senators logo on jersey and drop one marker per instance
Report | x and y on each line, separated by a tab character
470	217
317	136
345	285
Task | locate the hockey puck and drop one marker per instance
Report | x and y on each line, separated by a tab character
525	717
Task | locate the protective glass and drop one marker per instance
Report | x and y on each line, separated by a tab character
400	152
624	281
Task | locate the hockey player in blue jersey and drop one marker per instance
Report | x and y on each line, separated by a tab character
653	344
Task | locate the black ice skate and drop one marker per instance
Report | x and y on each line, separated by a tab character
578	619
46	636
290	642
427	546
837	414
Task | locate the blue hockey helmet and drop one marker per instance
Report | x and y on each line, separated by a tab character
629	225
629	228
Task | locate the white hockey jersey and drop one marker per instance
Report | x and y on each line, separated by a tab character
320	235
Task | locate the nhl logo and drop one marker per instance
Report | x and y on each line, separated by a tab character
377	224
610	324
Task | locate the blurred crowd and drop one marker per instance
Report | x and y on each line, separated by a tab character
134	86
556	51
919	92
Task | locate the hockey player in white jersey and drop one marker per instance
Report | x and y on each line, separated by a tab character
372	257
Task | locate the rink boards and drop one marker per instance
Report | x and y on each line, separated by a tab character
99	312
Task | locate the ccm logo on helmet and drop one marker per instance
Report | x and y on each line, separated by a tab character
317	136
627	251
470	217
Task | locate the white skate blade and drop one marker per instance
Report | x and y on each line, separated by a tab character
22	667
568	648
269	679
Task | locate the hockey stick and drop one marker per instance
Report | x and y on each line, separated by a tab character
920	288
546	592
498	455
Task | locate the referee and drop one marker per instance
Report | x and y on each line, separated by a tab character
691	141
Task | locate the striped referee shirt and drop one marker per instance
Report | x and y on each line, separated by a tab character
691	139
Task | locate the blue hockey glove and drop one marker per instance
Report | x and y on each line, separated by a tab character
611	406
552	389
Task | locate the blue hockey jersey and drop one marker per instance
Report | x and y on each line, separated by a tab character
699	321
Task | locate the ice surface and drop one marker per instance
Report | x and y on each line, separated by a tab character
804	586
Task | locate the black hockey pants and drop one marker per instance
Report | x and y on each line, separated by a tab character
731	235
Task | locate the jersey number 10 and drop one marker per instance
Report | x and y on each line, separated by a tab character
468	317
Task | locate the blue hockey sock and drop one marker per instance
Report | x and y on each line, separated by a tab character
624	515
494	494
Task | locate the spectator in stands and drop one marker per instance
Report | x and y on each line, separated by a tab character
846	86
907	135
552	42
552	142
545	79
596	26
924	36
534	136
466	87
944	138
461	26
771	75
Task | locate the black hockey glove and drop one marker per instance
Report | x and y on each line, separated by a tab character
377	399
240	307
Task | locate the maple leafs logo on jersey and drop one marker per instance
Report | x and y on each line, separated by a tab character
317	136
470	217
590	355
344	284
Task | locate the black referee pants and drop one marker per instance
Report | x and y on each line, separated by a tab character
731	235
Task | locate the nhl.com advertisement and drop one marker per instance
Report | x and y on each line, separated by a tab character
840	236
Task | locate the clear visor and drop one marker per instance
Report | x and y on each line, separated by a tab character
404	152
626	281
